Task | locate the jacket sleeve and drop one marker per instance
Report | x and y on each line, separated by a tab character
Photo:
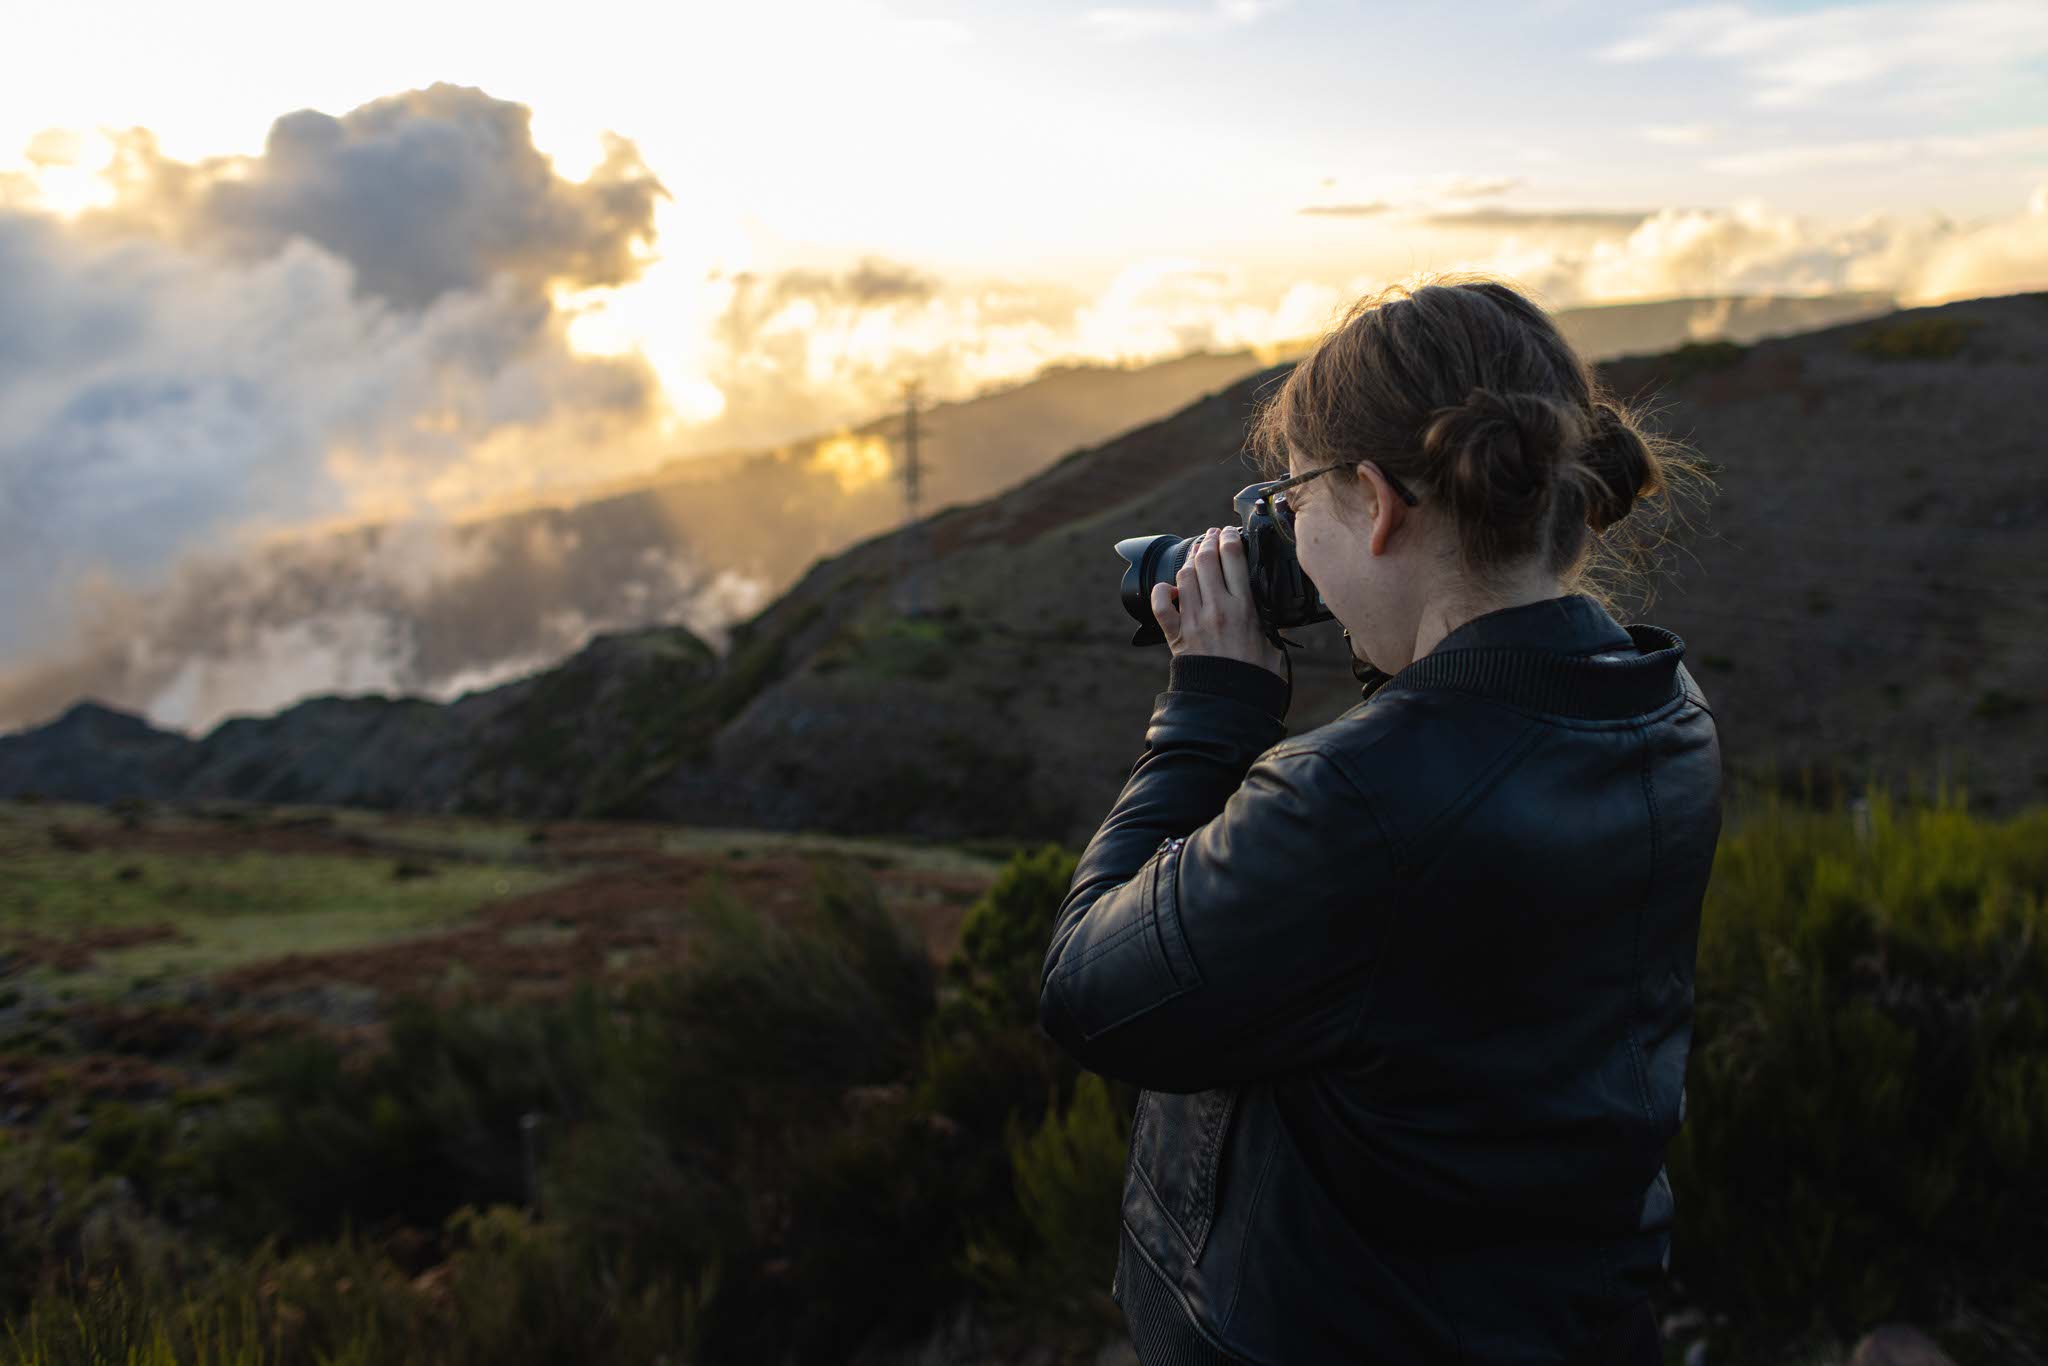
1222	923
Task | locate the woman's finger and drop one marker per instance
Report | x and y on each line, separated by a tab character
1209	574
1237	569
1164	611
1190	584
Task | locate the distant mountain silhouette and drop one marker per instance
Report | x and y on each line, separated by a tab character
1865	597
704	542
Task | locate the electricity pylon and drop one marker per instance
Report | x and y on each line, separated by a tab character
910	542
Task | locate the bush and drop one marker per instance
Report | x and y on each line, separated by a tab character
1867	1109
1069	1176
779	1152
1003	940
512	1293
1916	338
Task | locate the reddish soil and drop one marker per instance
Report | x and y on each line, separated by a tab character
308	835
617	923
74	952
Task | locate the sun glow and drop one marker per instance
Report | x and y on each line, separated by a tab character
667	315
66	171
855	461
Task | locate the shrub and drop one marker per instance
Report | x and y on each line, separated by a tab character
1927	338
1867	1113
1068	1176
1703	358
1003	940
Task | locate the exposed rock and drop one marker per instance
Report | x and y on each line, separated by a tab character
1898	1344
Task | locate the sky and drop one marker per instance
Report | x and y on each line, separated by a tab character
262	274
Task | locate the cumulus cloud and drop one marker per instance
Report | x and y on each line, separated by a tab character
1925	53
422	194
358	321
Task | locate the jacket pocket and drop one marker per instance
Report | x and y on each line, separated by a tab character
1176	1152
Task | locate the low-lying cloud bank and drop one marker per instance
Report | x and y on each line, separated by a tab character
1751	249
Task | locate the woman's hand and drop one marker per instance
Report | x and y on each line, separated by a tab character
1208	609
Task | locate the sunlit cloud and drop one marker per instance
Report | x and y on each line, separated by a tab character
1925	53
854	461
356	323
1752	249
1477	187
1508	219
1365	210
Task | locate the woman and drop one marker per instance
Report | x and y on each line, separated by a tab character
1409	995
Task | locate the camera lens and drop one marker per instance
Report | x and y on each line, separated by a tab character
1151	560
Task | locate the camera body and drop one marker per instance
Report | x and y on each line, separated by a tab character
1283	594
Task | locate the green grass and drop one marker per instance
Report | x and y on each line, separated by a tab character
236	908
865	850
244	907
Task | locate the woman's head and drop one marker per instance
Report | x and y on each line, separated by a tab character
1468	395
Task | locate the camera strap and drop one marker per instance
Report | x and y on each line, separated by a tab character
1273	634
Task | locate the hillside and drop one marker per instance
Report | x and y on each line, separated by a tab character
435	610
1866	595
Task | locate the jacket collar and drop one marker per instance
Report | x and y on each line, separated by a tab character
1564	656
1574	625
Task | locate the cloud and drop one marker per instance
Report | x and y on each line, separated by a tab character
1538	219
1752	249
1365	210
358	321
1125	23
422	194
421	609
1920	54
1477	187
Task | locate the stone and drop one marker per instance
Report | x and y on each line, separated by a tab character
1898	1344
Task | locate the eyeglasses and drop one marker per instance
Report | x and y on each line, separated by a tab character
1271	496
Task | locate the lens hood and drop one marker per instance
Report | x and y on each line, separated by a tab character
1150	559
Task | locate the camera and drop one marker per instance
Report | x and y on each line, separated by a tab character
1283	594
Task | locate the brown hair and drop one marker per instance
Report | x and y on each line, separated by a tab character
1467	393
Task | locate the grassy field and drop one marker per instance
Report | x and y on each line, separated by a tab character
99	903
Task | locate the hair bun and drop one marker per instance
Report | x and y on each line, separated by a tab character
1499	453
1622	462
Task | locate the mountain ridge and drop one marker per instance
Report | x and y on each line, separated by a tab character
411	609
1817	639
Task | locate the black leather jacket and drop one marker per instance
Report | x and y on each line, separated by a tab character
1409	997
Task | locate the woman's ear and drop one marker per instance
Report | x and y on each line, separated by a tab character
1384	506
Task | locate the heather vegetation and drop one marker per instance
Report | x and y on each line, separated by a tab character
811	1138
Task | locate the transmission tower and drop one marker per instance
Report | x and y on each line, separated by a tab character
910	543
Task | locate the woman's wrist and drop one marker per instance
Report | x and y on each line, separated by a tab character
1222	676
